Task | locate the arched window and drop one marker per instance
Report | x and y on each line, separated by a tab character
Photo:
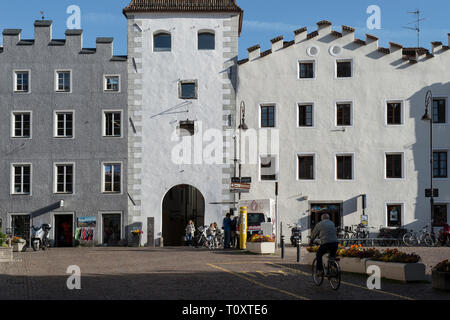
162	41
206	40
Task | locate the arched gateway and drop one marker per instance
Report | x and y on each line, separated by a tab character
181	204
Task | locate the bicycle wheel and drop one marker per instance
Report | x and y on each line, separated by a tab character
429	240
334	274
316	278
409	239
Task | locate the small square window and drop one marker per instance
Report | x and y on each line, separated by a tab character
206	41
162	42
188	89
64	125
268	116
112	124
21	125
394	113
394	166
306	70
112	83
343	69
63	81
305	115
22	81
306	167
343	114
344	166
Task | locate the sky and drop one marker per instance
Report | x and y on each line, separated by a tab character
263	19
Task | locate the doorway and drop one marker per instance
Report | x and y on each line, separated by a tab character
332	209
181	204
112	224
63	230
20	225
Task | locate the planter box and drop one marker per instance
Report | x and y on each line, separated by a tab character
18	247
440	280
261	247
6	254
400	271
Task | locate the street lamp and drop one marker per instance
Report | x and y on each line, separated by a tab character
428	116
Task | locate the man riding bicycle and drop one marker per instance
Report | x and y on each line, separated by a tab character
326	232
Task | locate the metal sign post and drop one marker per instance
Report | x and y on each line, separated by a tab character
243	229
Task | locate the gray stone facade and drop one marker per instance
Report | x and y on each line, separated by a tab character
87	150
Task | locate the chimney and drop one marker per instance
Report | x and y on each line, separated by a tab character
277	43
436	46
10	38
300	34
396	50
254	52
43	31
74	39
105	46
323	27
448	43
348	31
371	40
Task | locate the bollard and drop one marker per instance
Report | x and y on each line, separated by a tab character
298	250
282	247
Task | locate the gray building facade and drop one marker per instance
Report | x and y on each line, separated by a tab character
63	137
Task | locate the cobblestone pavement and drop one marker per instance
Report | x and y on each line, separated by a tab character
185	274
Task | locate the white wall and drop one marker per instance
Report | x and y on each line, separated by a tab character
377	77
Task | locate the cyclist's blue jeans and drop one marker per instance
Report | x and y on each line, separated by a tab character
330	248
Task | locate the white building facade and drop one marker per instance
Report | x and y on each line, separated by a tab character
347	116
182	68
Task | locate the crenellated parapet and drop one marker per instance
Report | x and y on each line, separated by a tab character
324	29
43	38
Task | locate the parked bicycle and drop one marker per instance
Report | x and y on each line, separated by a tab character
332	271
414	238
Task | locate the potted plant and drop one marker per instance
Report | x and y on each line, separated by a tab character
261	244
6	253
18	244
440	276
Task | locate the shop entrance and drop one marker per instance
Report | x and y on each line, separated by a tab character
333	210
20	225
112	224
63	230
181	204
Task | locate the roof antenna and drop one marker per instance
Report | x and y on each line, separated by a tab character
42	13
417	25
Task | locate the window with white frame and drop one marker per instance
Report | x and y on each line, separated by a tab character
21	176
394	165
344	167
344	69
162	41
64	174
439	110
307	69
394	215
267	115
63	81
112	176
344	114
268	168
440	164
306	167
305	115
21	125
112	123
112	83
22	81
64	124
394	114
206	40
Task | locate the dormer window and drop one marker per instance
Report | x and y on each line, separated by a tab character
206	41
162	42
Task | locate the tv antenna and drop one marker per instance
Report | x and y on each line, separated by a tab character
42	14
417	25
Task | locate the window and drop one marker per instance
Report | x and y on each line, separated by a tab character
186	128
188	89
64	124
21	125
306	167
344	164
343	114
112	123
206	41
162	42
112	176
64	178
305	115
63	79
343	69
306	69
269	168
22	81
439	215
394	166
440	164
112	83
21	179
439	106
394	113
268	116
394	215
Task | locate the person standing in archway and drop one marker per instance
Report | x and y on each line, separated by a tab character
227	230
190	231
